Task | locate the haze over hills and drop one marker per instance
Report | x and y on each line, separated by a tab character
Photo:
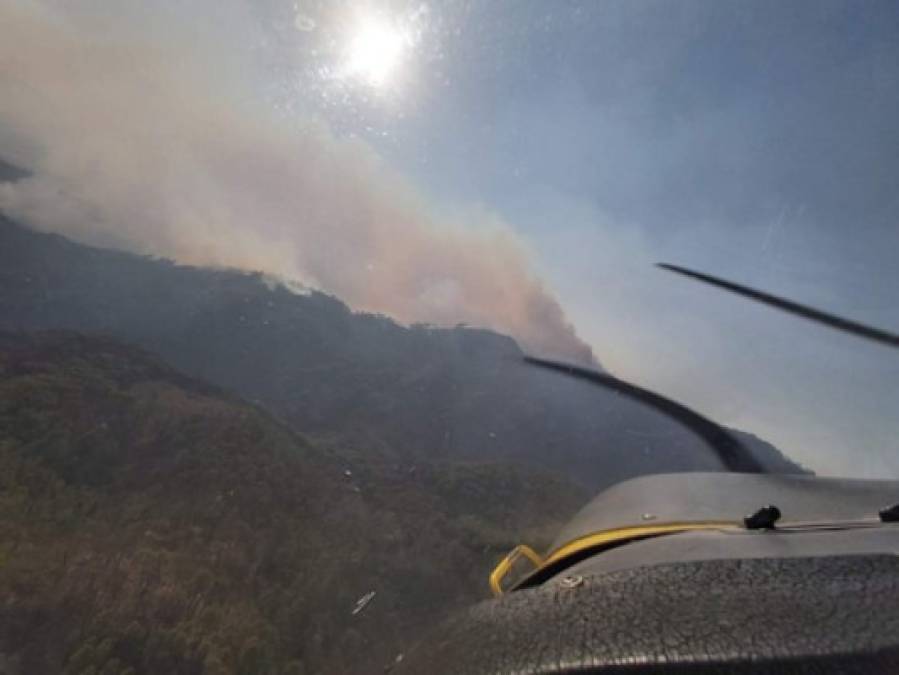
408	394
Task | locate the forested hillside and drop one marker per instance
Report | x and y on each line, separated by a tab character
417	393
151	523
203	470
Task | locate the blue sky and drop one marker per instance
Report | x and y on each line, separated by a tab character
755	140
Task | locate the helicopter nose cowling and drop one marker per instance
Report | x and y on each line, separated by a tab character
834	614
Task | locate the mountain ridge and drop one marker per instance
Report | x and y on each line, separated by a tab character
425	392
449	393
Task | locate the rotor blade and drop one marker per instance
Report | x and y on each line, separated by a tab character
810	313
733	454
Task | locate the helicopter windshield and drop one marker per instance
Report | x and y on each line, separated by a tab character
270	272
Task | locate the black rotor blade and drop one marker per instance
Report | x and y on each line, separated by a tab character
810	313
733	454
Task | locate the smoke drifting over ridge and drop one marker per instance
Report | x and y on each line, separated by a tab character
151	144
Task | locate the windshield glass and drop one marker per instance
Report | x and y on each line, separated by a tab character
268	272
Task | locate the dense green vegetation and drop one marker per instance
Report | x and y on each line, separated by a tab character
150	523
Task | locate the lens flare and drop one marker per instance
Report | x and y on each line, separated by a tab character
375	51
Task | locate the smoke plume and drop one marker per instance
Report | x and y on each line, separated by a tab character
138	138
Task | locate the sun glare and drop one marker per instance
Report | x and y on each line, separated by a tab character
375	51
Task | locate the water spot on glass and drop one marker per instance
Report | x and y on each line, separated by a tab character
304	23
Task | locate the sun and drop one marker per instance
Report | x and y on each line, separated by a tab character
375	51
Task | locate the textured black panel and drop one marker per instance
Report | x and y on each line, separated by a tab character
800	615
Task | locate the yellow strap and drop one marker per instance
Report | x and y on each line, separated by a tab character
619	534
501	570
596	540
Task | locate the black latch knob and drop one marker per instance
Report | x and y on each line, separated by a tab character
763	519
890	514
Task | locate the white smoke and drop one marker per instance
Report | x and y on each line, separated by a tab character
141	139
